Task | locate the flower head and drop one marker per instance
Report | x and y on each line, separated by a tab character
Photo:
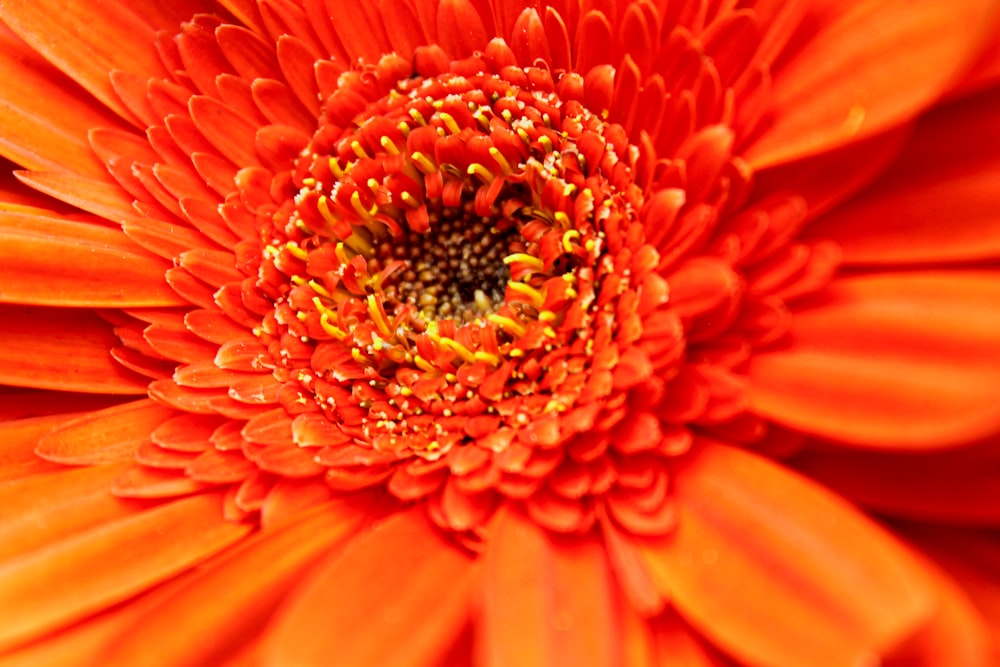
481	332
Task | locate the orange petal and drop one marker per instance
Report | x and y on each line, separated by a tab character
48	261
871	66
906	360
548	600
67	350
955	486
43	509
115	39
86	573
230	601
105	436
397	595
939	203
777	571
18	438
102	198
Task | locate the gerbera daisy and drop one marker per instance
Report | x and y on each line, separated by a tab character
495	332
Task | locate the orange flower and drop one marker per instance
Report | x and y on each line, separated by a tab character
488	332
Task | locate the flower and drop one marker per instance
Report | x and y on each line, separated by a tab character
499	333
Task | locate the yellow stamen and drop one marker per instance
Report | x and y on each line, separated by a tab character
323	204
527	290
409	200
500	159
423	163
507	324
378	317
324	321
389	147
449	122
358	149
422	363
417	117
360	209
295	251
523	258
482	172
568	236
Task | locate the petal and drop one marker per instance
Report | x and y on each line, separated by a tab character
67	350
548	600
94	570
908	360
32	131
105	436
954	486
870	67
779	572
230	601
115	39
48	261
939	203
400	580
18	438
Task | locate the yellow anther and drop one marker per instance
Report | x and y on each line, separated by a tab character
271	250
298	280
341	252
358	357
337	170
319	289
309	181
302	317
491	359
389	147
549	332
507	324
373	185
506	115
323	204
295	251
358	149
422	363
405	391
546	143
525	137
547	316
423	163
328	326
567	239
417	117
563	219
378	317
409	200
454	346
449	122
527	290
359	208
482	172
403	128
523	258
500	159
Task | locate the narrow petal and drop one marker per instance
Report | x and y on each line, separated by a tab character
32	131
48	261
907	360
779	572
18	438
398	595
115	39
66	350
939	203
548	600
102	198
76	499
89	572
104	436
231	600
872	66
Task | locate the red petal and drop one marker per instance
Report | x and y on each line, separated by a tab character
67	350
908	360
48	261
871	66
779	572
954	486
940	203
253	578
92	571
382	586
548	600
